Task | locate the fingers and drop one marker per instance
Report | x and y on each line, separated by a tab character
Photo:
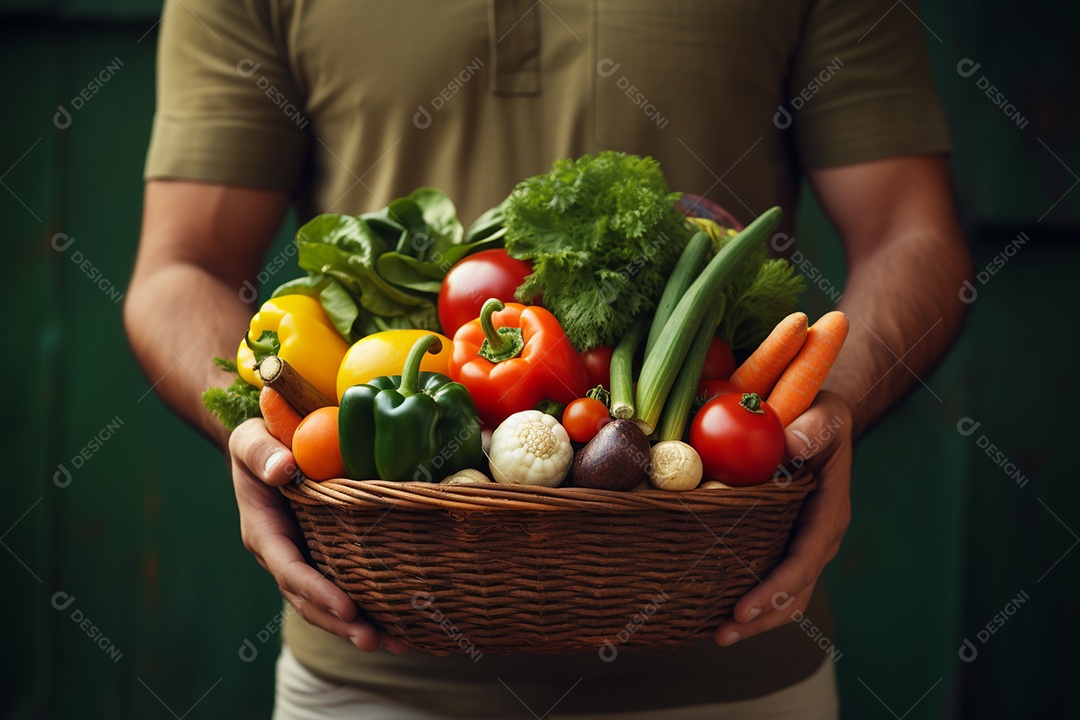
359	633
315	603
781	610
822	437
269	531
252	445
787	589
316	599
794	577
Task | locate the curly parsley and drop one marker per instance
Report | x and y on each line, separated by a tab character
603	233
234	404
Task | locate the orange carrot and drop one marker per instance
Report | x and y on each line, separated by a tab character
281	419
799	384
759	372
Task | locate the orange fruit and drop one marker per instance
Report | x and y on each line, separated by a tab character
316	446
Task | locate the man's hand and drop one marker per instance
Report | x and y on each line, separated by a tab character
821	438
260	464
906	262
201	246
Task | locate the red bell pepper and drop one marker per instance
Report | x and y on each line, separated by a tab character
513	357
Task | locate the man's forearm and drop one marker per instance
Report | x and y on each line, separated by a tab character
200	242
905	311
178	318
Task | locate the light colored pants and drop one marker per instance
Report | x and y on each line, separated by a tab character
300	695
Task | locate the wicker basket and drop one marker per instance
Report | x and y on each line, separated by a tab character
496	568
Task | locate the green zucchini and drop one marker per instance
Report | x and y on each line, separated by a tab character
622	371
662	364
688	267
684	392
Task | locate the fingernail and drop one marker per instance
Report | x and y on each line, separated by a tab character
333	612
802	436
356	641
754	612
732	638
273	460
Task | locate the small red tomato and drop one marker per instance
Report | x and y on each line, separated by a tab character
583	418
740	439
598	365
486	274
719	362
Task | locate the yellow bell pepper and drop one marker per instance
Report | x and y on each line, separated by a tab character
383	354
306	338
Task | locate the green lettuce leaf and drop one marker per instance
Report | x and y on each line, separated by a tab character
383	270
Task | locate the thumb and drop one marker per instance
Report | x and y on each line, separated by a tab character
814	430
252	445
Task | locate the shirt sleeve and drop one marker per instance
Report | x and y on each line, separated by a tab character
861	88
227	108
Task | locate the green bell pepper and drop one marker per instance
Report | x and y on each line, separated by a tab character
413	426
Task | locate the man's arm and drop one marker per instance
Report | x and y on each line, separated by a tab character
907	261
199	243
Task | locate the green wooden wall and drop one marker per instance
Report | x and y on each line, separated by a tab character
127	593
111	502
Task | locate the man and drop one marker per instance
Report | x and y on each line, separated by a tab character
342	109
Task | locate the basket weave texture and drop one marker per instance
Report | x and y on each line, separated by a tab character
495	568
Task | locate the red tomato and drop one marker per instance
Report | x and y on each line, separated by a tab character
487	274
719	362
737	445
583	418
598	365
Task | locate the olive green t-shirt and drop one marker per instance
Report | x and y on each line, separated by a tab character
350	104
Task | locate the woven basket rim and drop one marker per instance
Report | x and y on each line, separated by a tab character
487	497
